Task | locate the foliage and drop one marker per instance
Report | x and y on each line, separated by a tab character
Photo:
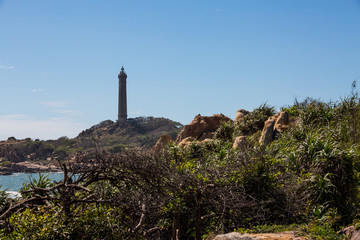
225	131
43	181
322	231
254	121
306	180
94	222
4	200
109	135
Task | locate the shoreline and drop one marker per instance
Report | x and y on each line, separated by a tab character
5	173
29	167
14	182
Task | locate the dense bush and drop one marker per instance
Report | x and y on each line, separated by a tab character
254	121
4	200
307	178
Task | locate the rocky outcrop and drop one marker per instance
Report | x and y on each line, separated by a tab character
140	132
267	135
23	150
202	127
186	141
282	122
274	125
240	142
352	233
240	114
29	167
160	144
258	236
189	140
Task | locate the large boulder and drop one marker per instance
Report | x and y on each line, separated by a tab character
352	232
240	142
258	236
282	122
232	236
240	114
267	135
186	141
202	127
273	126
160	144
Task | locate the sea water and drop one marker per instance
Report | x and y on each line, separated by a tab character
13	183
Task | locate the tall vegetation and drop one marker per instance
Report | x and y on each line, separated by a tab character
309	176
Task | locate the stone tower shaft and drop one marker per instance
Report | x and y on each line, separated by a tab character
122	111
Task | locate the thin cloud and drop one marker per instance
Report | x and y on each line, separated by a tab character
2	66
68	112
37	90
56	104
22	126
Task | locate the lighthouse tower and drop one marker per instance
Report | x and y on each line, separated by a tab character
122	113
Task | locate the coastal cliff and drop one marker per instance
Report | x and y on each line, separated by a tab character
27	155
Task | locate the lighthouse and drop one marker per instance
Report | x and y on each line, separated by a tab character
122	111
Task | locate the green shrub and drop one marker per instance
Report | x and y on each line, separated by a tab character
323	229
254	121
92	222
43	181
4	200
309	177
225	131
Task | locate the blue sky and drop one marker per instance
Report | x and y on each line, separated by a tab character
59	59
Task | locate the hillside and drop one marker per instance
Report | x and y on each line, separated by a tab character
295	173
140	132
136	132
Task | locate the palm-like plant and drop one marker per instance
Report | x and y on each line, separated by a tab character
4	200
43	181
